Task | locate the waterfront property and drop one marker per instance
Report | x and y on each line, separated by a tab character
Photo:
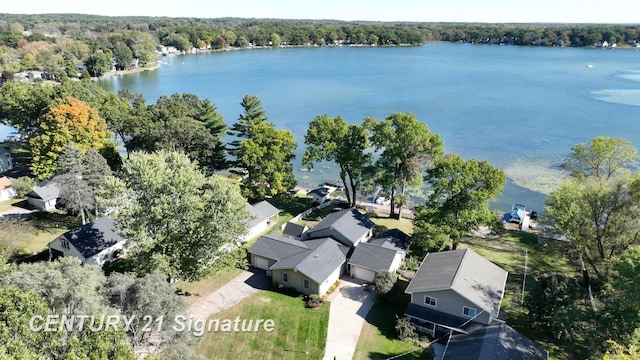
44	198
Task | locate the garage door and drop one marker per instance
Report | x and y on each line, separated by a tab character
260	262
364	274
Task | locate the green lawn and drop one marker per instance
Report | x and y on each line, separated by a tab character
31	236
378	338
384	222
299	332
9	204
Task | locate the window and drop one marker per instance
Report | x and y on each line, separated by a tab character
431	301
285	277
305	283
65	244
467	311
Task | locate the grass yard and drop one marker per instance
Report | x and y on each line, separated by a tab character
384	222
298	330
10	204
31	236
378	338
196	290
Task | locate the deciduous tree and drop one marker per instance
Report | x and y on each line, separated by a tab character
406	148
332	139
176	219
461	191
67	120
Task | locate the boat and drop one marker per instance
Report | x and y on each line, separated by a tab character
518	212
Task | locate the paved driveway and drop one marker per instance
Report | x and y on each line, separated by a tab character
346	317
231	293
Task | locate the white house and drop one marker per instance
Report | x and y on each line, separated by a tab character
44	197
264	215
94	243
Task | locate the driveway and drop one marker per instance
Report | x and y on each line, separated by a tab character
231	293
346	317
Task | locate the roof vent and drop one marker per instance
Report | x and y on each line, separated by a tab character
316	256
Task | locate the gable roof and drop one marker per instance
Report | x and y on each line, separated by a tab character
322	191
470	275
48	192
394	239
372	257
494	342
293	229
277	247
94	237
349	223
261	212
316	263
316	259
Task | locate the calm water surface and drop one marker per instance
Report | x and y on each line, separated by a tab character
520	108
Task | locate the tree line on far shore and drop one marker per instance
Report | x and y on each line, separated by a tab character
62	45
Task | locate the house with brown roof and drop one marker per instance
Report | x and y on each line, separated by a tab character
6	189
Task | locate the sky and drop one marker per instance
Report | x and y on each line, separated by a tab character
486	11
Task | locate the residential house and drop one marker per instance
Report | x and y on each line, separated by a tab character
6	161
349	227
458	294
6	190
94	243
310	267
263	217
293	230
394	239
321	194
44	197
498	341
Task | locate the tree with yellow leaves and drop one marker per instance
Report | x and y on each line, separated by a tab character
67	120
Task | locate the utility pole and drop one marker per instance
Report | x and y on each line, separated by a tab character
524	278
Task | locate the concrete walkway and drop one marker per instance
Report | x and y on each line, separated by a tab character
231	293
346	317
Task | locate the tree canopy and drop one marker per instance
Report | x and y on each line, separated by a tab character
67	120
178	221
461	191
332	139
598	207
406	148
263	154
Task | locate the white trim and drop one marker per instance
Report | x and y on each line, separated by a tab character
285	275
435	301
469	308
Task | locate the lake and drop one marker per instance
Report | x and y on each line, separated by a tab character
520	108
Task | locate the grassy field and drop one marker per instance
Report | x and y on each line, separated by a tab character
195	290
383	222
378	338
299	332
29	237
9	204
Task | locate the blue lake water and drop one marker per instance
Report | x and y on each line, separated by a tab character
520	108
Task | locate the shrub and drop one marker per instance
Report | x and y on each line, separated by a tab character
406	330
23	185
384	281
411	263
314	301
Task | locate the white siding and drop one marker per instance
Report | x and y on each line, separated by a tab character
330	280
396	262
363	274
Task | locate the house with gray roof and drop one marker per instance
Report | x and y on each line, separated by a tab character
94	243
368	259
459	293
321	194
310	267
294	230
394	239
263	216
496	342
44	197
349	227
